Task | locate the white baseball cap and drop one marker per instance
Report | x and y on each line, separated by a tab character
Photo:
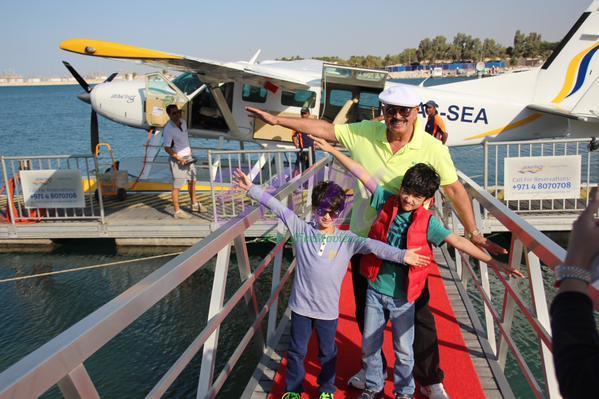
401	94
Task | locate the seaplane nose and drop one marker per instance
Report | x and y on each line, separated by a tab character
85	97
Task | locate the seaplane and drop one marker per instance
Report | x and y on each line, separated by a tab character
558	99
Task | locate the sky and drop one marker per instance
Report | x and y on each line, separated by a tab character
31	32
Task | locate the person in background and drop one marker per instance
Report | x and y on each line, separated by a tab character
322	253
575	338
387	150
176	145
434	124
302	141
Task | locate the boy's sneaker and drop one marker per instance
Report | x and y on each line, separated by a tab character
181	214
326	395
198	207
368	394
358	381
435	391
403	396
291	395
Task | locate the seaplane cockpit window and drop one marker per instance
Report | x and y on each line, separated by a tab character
253	94
187	82
300	98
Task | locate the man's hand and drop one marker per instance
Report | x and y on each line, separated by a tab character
412	258
322	144
263	115
242	180
480	241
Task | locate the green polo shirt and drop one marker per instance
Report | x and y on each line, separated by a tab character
367	143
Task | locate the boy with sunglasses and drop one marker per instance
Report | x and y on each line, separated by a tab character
322	253
403	222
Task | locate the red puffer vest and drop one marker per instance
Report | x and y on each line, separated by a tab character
370	265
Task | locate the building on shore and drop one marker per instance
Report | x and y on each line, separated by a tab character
444	70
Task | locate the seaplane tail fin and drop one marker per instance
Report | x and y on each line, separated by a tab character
567	82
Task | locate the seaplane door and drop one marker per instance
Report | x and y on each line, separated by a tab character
159	94
350	94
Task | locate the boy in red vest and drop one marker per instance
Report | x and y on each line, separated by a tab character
403	222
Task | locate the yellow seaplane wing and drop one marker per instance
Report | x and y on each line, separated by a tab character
210	71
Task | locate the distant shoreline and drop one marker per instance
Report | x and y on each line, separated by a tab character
45	83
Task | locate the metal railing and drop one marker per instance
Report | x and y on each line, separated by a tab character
18	212
61	361
495	154
273	168
529	247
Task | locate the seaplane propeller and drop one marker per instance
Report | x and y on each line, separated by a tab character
85	97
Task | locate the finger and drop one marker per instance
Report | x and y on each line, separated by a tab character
494	248
591	209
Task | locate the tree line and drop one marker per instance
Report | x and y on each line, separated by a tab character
463	48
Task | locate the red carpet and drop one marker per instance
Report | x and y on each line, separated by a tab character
461	379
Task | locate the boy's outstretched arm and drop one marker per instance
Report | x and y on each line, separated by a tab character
385	251
291	220
369	181
468	247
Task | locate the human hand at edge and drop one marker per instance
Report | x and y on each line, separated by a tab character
481	241
510	271
242	180
583	245
262	115
412	258
322	144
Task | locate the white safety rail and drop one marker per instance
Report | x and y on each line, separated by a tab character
496	152
270	167
505	299
17	211
62	360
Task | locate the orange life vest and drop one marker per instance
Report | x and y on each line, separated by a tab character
370	265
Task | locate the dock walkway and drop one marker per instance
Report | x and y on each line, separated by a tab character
468	371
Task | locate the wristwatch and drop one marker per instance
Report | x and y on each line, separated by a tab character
570	272
471	234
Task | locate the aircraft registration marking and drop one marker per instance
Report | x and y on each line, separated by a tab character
463	113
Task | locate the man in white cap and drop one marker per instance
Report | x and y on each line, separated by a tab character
387	151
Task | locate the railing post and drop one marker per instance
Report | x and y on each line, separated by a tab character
537	289
78	385
509	305
212	173
455	222
217	297
8	196
276	278
280	170
99	188
245	270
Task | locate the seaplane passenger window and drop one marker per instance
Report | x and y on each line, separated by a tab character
368	105
300	98
253	94
339	97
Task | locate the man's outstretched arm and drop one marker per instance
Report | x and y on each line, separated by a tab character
315	127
